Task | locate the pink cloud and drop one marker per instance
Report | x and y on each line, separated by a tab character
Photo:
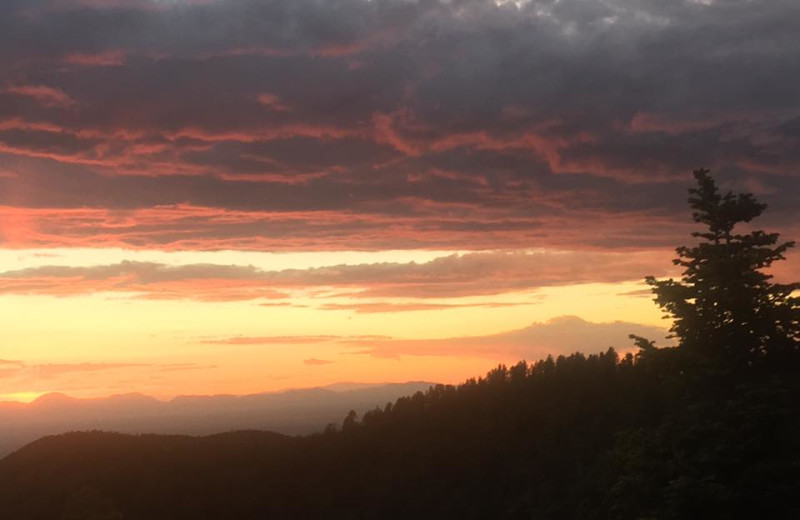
47	96
453	276
110	58
272	102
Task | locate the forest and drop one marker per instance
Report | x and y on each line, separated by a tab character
708	428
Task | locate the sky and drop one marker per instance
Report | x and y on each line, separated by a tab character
236	196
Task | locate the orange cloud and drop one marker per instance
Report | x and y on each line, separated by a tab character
271	340
389	307
452	276
316	362
290	340
145	280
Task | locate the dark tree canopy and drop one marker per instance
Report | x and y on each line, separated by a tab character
725	307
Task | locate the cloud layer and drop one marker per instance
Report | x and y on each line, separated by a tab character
453	276
562	335
353	124
559	336
16	376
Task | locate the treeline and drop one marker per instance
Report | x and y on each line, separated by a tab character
572	437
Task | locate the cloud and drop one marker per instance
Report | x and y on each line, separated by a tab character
181	367
20	370
558	336
206	282
458	275
47	96
353	124
53	370
271	340
290	340
486	273
35	377
316	362
389	307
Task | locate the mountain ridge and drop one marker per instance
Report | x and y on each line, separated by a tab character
290	411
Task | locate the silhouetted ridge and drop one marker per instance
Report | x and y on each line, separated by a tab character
294	412
572	437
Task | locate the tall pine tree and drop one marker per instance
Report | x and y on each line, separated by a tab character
725	307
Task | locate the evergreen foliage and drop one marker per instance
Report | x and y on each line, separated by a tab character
725	307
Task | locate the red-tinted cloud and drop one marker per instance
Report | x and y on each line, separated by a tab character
47	96
366	125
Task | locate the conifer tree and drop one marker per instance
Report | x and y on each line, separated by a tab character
725	307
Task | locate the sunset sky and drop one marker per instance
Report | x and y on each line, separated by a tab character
236	196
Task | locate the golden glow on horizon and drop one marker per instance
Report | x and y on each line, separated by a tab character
107	343
21	397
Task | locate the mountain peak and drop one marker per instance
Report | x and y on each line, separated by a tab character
53	398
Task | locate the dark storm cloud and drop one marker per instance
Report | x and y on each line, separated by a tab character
526	117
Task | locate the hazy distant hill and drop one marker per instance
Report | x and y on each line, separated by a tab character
589	438
290	412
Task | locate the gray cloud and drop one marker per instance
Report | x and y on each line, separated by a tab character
533	117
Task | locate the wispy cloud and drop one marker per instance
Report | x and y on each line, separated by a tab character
47	96
389	307
451	276
563	335
291	340
316	362
51	370
271	340
18	376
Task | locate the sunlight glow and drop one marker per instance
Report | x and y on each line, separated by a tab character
21	397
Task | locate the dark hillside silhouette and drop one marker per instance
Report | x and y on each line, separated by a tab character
291	412
706	429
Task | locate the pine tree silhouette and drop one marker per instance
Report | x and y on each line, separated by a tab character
725	307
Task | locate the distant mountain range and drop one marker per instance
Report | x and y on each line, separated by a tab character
573	438
291	412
